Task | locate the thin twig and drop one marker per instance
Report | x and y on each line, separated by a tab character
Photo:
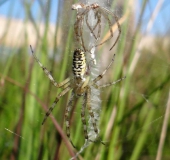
111	122
18	130
149	27
57	126
114	27
164	131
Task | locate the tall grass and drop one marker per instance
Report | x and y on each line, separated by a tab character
132	113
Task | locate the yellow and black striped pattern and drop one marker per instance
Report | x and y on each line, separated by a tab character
79	66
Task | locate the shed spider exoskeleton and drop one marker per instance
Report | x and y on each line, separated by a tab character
99	11
80	84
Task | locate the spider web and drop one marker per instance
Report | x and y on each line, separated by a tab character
140	91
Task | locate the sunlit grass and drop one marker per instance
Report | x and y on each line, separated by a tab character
132	111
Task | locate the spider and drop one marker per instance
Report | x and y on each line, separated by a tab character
80	84
99	11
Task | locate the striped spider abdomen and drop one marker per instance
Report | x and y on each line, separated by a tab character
79	66
80	85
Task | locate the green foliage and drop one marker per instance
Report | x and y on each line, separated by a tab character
132	111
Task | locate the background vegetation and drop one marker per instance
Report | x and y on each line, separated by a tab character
135	113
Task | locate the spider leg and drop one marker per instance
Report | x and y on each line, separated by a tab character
110	28
98	19
78	27
104	72
90	110
67	120
98	14
117	22
48	74
81	35
91	30
55	102
81	29
87	100
99	22
108	84
77	24
83	117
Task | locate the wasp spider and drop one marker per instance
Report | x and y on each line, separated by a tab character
80	84
99	11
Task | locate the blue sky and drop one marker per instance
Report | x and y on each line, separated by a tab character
162	21
15	9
